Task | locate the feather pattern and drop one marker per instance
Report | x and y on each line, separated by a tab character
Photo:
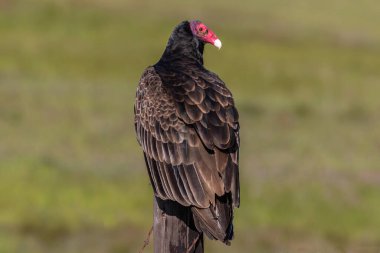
187	125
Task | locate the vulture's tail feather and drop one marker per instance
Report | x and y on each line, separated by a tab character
216	221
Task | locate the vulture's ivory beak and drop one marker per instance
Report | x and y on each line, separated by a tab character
218	43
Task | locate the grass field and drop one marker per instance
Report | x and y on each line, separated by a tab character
306	80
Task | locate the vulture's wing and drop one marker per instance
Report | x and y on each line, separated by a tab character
188	129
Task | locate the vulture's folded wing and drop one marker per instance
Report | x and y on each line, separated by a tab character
188	129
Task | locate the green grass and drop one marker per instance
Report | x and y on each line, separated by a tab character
306	82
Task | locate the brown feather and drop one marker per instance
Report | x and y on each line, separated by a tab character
193	112
196	95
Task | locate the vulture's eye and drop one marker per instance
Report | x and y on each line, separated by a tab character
203	30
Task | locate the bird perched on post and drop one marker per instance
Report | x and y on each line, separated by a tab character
187	125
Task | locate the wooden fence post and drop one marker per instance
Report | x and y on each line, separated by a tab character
174	230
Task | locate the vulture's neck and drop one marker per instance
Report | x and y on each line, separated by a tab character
182	49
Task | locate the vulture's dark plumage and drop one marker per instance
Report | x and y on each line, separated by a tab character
187	125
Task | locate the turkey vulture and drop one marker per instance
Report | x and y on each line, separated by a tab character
187	125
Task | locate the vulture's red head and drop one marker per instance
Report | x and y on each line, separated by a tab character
187	41
205	34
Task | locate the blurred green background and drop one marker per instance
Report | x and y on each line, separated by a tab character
306	79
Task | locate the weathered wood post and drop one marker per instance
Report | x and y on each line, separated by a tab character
174	230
